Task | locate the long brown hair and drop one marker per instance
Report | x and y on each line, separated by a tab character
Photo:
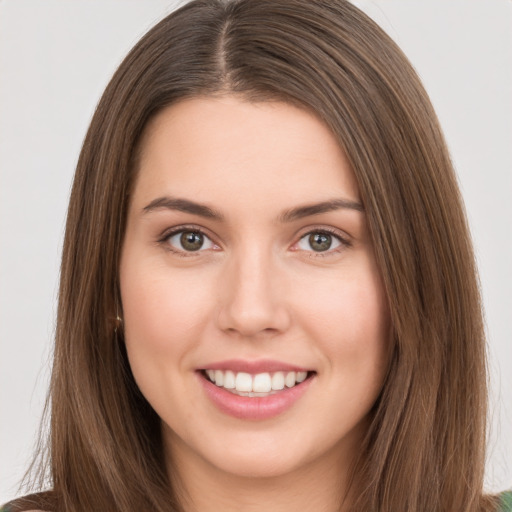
424	450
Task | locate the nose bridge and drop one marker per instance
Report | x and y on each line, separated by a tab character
253	301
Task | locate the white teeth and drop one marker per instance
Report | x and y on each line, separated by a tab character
219	377
278	381
301	376
243	382
289	380
261	384
229	380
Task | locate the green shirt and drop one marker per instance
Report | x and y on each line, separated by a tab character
506	501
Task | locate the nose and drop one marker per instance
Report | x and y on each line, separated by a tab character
252	296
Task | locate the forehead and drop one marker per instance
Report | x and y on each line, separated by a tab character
227	149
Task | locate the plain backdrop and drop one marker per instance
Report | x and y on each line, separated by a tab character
56	57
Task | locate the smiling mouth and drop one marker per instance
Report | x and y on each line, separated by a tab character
256	385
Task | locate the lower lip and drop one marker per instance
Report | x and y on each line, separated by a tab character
254	408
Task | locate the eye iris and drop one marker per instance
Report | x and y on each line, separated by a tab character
191	241
320	241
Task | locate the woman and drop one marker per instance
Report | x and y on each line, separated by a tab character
268	295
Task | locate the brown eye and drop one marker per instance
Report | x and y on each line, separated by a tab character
320	241
189	241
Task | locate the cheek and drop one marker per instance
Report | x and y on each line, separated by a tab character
162	310
353	309
164	313
349	320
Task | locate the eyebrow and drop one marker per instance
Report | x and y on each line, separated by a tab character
299	212
183	205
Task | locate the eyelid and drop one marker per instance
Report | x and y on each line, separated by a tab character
168	233
344	240
336	233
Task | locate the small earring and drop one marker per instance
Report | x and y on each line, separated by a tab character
119	324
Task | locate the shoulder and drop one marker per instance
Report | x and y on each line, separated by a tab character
40	502
505	501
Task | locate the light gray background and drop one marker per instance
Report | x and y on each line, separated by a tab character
55	59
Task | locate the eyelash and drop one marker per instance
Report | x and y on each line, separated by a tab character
344	242
181	229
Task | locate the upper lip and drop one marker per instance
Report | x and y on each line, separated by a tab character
255	366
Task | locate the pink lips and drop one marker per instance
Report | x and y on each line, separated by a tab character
253	408
253	367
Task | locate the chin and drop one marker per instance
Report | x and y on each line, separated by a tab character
257	467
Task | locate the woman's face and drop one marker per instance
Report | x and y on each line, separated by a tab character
247	261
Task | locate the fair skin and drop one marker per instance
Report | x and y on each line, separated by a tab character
245	287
